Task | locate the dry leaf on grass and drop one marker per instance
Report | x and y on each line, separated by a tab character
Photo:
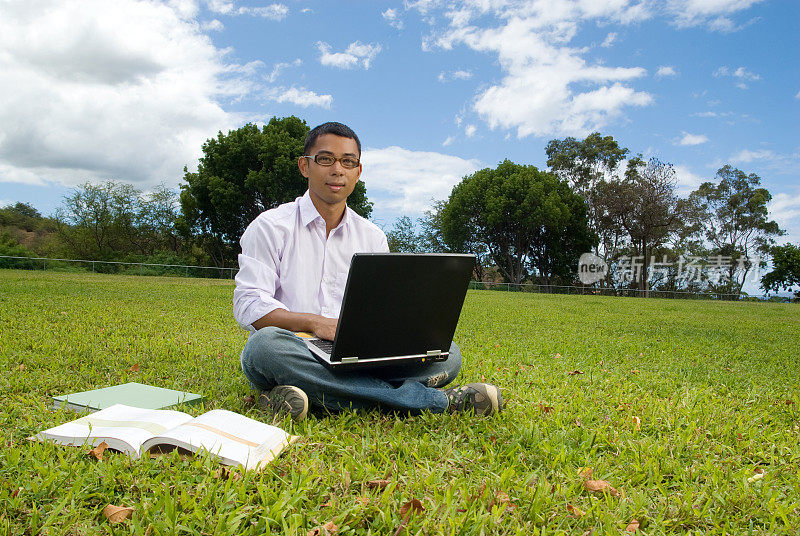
575	372
633	526
637	424
326	529
600	486
21	366
502	498
545	409
756	477
249	400
377	484
574	511
585	472
97	452
223	473
134	368
364	500
116	514
414	505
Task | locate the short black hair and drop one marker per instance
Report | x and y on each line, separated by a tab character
330	127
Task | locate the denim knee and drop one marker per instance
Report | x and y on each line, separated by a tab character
262	352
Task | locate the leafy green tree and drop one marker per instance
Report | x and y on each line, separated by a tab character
785	273
241	174
21	215
403	237
732	215
528	220
584	164
114	220
645	205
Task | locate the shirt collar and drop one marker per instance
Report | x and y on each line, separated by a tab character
308	212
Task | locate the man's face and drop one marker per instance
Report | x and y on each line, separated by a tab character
331	185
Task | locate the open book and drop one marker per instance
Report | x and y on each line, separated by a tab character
233	438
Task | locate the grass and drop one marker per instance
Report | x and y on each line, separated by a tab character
681	406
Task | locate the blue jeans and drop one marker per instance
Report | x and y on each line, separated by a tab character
274	356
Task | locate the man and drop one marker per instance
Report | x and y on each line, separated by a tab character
292	272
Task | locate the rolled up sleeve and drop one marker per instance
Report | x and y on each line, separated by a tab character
258	277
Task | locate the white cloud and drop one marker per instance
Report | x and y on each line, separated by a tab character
402	181
227	7
766	159
548	88
94	90
278	68
797	96
356	54
390	15
448	141
713	114
609	40
470	130
740	75
747	155
299	96
692	139
666	71
461	74
686	180
785	210
213	26
715	14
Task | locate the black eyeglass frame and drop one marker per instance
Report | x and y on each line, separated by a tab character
340	159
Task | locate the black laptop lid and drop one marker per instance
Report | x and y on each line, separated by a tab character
401	304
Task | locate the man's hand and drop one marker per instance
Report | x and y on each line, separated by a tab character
325	328
322	327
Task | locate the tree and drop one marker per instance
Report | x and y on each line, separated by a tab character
732	216
528	220
91	216
584	164
786	269
403	238
241	174
22	215
111	220
645	205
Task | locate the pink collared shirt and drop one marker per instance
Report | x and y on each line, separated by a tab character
288	263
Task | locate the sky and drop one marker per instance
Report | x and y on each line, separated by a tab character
129	90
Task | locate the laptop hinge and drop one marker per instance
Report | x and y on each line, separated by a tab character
349	359
432	353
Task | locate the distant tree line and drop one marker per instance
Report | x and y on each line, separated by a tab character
521	223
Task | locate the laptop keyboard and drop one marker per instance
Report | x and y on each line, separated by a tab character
322	344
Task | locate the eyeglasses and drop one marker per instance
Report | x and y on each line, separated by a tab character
348	162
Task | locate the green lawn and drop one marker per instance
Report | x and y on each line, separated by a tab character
689	409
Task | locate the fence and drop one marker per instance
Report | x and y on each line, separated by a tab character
144	268
129	268
591	290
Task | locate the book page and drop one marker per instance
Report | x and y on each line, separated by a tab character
123	428
234	438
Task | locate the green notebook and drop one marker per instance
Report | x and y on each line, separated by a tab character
133	394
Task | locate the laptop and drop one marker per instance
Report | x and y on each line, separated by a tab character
397	308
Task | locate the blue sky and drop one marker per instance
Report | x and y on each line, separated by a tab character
129	90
